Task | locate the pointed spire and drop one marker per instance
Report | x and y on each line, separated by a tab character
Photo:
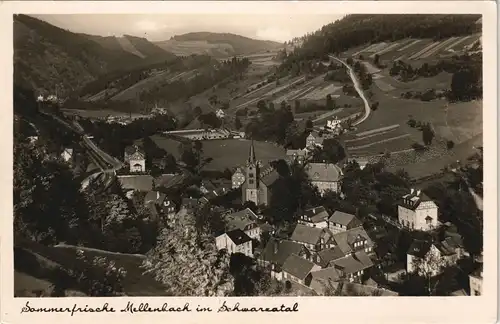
251	156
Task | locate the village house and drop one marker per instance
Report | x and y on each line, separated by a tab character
315	217
476	281
353	266
314	238
235	241
324	176
298	269
245	220
334	125
163	205
136	158
220	113
432	257
277	251
135	183
341	222
313	140
346	243
67	155
238	178
416	211
259	182
189	203
298	156
200	134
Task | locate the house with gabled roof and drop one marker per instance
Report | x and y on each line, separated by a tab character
298	156
314	238
235	241
341	222
353	265
135	156
324	176
324	281
298	269
353	240
67	155
432	257
277	251
315	217
164	206
417	211
245	220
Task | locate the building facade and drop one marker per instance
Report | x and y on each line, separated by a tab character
416	211
325	176
136	158
235	241
238	178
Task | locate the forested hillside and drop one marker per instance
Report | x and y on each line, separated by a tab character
50	59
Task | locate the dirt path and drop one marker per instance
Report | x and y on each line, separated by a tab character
358	88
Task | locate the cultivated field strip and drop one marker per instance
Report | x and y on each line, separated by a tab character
457	42
369	136
378	142
284	87
321	93
303	92
422	51
409	45
379	47
370	67
366	49
437	48
327	114
258	89
385	50
378	130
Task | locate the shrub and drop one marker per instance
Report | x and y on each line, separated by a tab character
450	144
418	147
412	123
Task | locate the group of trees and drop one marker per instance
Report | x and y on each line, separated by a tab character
426	129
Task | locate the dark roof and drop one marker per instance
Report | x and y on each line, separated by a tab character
136	182
345	239
419	248
131	149
208	185
277	251
297	266
323	172
328	255
169	180
354	262
241	219
306	234
155	197
316	214
412	200
189	202
270	178
343	218
238	236
326	274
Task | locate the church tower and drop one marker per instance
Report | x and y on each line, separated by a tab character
252	177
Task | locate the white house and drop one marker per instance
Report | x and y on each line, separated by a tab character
40	98
417	211
235	241
220	113
334	125
67	154
136	157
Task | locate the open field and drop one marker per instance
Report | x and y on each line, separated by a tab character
460	122
238	148
321	93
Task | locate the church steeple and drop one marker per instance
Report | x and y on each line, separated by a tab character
251	155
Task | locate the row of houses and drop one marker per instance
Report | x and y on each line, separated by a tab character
206	134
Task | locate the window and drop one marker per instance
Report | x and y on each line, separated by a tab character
428	220
250	175
250	181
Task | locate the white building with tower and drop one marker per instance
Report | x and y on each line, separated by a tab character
417	211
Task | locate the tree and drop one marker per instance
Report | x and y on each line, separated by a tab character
428	267
297	106
188	263
332	152
374	106
209	221
450	144
197	111
330	103
237	123
376	60
309	125
427	134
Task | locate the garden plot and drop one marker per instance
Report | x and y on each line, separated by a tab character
319	94
301	93
378	47
284	87
409	45
366	49
389	144
369	142
377	130
457	42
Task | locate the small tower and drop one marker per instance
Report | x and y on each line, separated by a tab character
252	177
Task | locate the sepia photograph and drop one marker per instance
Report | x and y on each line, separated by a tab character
216	155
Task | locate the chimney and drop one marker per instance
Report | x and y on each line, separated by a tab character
276	245
418	192
314	210
157	195
411	191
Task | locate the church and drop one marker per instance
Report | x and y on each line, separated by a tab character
258	181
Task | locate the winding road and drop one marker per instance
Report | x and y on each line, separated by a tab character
358	88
